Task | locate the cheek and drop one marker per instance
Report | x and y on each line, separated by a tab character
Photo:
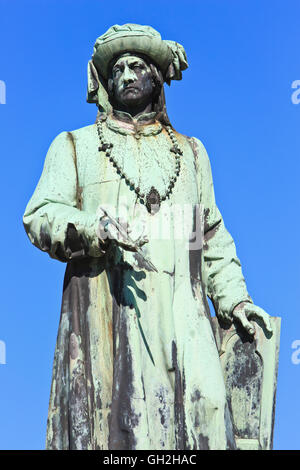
117	84
146	81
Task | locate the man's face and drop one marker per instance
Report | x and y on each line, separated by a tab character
132	81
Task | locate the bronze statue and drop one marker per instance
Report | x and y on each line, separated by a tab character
128	203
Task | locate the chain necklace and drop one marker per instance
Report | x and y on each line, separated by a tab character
153	199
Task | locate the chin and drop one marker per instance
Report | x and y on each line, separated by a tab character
131	102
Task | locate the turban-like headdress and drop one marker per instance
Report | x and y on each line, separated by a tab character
168	56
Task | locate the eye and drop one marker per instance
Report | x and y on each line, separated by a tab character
137	66
116	69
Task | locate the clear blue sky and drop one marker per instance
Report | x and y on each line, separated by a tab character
235	97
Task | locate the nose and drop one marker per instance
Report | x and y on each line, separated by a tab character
128	75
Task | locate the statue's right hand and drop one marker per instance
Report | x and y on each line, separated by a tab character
108	231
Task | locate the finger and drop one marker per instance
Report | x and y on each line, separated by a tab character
266	321
122	240
241	317
255	312
142	240
127	246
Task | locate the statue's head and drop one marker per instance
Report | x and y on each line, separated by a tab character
130	63
134	81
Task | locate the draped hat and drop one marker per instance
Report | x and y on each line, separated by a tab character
168	56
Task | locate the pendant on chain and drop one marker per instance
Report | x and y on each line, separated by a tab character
153	201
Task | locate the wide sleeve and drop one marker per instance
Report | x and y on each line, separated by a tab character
52	219
225	282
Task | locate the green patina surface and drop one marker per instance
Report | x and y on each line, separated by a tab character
169	303
136	363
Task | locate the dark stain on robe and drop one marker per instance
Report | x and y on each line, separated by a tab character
179	413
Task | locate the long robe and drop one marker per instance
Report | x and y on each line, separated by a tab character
136	364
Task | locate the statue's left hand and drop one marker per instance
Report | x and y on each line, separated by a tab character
245	311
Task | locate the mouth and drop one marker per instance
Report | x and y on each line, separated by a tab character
130	88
